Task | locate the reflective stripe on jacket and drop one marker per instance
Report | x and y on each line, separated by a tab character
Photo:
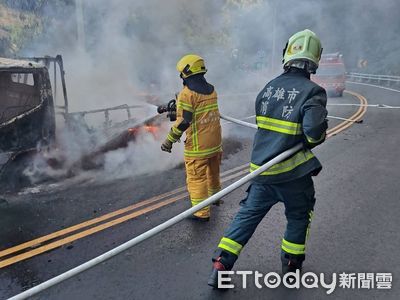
203	137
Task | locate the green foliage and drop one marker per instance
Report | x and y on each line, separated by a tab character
18	28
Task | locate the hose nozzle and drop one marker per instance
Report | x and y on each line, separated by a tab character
169	108
162	109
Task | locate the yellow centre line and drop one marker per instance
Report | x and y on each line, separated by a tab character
105	217
355	117
82	234
65	231
74	237
237	171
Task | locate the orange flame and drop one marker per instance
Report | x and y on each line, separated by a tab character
151	128
147	128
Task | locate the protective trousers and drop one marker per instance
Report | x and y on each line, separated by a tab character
298	198
202	179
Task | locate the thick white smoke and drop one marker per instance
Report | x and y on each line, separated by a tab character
130	48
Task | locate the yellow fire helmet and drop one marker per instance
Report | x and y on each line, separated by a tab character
303	46
191	64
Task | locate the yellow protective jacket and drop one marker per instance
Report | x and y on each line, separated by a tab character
203	130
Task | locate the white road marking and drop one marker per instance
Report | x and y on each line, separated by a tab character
374	85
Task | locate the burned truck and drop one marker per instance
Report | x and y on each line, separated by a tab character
27	115
29	110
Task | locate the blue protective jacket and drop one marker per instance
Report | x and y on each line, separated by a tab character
291	109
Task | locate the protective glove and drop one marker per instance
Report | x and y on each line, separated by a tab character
166	146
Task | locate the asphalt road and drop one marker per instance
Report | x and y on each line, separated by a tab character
354	228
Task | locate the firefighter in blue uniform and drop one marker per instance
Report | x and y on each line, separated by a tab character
291	109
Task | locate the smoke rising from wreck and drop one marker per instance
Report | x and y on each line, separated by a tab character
130	49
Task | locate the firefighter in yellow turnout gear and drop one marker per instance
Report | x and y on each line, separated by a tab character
198	116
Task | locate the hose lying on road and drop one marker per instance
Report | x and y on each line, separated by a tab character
364	105
233	120
240	122
152	232
344	119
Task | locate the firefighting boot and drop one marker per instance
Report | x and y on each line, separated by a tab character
203	215
217	266
199	219
222	261
291	263
219	202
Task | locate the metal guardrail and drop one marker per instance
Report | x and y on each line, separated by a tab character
373	77
106	111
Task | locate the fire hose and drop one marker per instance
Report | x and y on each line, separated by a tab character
163	226
240	122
